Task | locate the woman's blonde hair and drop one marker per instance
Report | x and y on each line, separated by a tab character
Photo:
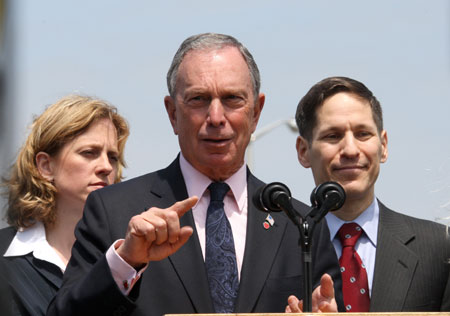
31	197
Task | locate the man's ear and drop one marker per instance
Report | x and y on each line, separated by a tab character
257	110
302	146
384	146
171	109
44	165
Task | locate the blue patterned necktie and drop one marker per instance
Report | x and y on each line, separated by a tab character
220	258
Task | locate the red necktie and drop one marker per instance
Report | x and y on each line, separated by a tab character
354	276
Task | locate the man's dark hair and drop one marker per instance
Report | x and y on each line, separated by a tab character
306	115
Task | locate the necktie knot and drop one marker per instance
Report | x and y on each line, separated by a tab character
349	234
218	190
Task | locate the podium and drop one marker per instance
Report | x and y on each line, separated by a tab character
326	314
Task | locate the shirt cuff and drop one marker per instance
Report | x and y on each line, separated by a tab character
124	275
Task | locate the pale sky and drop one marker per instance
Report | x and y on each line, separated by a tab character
121	50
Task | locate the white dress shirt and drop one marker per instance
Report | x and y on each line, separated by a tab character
366	245
33	239
235	205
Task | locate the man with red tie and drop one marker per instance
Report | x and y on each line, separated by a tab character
389	262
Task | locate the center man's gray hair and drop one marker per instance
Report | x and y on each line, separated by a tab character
210	41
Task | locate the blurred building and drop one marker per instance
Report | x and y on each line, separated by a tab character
6	87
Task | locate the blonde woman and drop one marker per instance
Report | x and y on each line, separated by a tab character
75	147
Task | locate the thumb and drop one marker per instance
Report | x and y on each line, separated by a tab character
326	286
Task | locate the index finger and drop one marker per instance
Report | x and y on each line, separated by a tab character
181	207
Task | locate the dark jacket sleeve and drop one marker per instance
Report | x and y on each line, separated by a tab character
88	286
445	307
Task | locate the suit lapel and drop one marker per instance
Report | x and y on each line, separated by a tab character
188	261
190	266
48	270
260	250
395	264
34	282
28	268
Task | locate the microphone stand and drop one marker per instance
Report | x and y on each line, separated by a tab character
326	197
304	242
306	229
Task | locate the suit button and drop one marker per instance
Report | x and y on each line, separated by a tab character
119	311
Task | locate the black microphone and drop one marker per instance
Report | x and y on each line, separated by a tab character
326	197
270	197
331	193
276	197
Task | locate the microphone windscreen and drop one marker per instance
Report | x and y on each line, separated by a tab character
264	198
331	192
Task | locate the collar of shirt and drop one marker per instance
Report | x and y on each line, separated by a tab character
366	245
33	240
197	183
368	220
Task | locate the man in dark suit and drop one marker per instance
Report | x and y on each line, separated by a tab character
166	261
400	263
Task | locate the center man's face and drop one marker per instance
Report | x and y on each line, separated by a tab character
214	111
346	146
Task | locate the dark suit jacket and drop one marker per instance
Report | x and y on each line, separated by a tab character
32	282
412	267
6	301
271	269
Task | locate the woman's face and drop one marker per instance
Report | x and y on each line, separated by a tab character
86	163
